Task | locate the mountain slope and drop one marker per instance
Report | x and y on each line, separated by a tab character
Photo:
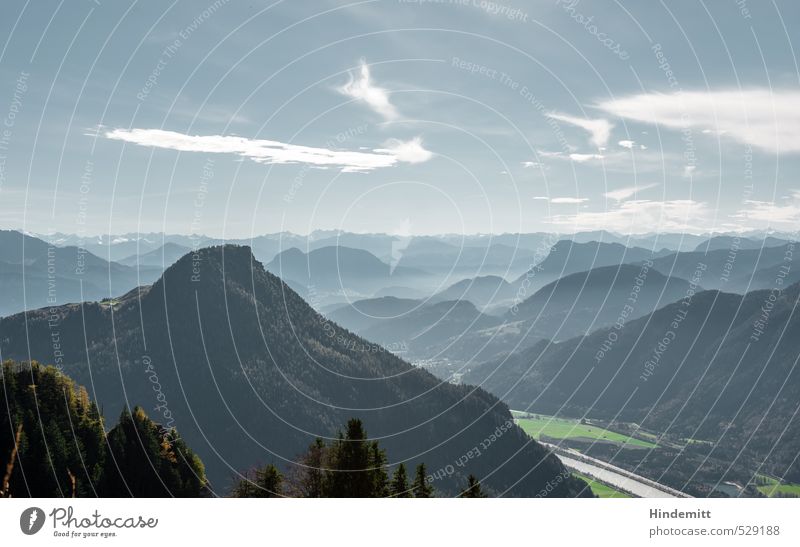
363	314
574	305
715	366
577	302
424	332
250	373
481	291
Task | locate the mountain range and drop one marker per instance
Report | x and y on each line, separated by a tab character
250	373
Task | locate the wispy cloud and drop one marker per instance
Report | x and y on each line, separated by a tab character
640	216
582	158
621	194
574	156
562	200
362	88
275	152
599	129
766	119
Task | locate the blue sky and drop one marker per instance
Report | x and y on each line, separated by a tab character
234	119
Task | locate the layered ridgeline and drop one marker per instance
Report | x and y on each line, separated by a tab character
574	305
251	374
582	302
34	274
736	268
714	367
415	328
566	257
340	269
740	266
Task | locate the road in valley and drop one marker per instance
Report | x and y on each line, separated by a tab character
614	476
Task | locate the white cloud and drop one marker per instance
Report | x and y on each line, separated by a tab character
600	129
766	119
640	216
621	194
630	145
583	158
689	170
765	214
528	164
363	89
274	152
541	198
408	151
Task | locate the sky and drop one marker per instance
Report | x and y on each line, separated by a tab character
234	119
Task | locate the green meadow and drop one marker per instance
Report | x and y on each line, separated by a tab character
561	428
600	489
773	488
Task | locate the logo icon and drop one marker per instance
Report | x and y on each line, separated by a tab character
31	520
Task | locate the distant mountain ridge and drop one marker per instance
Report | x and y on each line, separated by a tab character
341	269
34	274
574	305
482	291
568	257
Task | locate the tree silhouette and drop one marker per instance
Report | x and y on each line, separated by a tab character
420	486
473	488
400	483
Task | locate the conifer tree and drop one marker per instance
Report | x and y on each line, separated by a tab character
350	473
421	487
473	488
64	451
54	431
150	461
308	478
263	482
400	483
380	478
270	482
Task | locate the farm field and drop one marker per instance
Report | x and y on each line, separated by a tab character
561	428
773	488
602	490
